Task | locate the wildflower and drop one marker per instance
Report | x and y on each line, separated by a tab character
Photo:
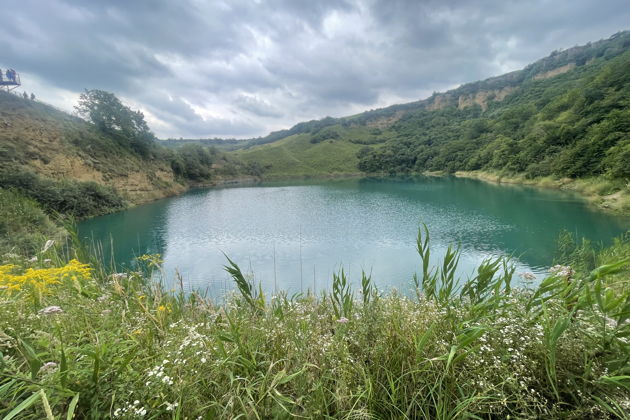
170	407
562	271
51	310
39	280
343	320
47	245
48	367
141	411
528	275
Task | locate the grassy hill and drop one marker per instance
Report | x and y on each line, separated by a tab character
297	156
39	140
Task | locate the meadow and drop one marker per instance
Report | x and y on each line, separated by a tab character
79	340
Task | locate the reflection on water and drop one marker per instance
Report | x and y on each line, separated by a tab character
294	236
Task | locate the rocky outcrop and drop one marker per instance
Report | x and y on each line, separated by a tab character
483	97
555	72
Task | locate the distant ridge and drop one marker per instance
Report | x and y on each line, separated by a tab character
479	92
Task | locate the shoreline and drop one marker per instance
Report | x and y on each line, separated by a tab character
592	190
596	191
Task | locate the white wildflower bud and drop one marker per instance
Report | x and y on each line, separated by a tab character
527	275
119	276
48	367
51	310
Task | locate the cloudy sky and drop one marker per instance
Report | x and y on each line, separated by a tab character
242	68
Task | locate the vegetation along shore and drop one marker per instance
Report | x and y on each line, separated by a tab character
79	340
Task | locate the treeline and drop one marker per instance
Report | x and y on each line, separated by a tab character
572	125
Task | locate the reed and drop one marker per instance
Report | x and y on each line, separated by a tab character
121	345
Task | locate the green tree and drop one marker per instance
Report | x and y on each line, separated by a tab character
111	116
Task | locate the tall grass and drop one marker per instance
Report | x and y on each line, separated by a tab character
124	347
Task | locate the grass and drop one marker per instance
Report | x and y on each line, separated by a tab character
99	345
23	224
296	156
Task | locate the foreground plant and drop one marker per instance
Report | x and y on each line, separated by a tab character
120	346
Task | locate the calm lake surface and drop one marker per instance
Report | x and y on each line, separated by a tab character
293	236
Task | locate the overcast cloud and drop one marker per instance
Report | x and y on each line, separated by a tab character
244	68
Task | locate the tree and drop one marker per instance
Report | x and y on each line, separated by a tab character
111	116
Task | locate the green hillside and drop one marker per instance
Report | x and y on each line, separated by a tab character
564	116
297	156
86	167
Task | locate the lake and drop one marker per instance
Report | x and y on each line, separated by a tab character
293	236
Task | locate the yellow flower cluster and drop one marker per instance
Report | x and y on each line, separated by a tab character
151	258
14	278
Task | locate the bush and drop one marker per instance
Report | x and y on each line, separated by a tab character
23	224
73	198
325	134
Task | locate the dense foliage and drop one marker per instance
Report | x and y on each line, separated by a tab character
23	224
573	125
73	198
75	340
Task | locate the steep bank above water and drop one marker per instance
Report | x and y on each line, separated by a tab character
38	138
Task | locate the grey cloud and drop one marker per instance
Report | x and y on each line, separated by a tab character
257	106
258	65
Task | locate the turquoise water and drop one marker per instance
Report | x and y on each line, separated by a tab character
293	236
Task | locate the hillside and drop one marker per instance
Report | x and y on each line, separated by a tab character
565	115
37	138
74	167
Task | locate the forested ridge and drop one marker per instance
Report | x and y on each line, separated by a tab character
566	115
575	124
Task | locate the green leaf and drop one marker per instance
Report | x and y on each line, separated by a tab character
23	405
72	407
621	381
609	269
34	362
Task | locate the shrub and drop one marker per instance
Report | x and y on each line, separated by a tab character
23	224
73	198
